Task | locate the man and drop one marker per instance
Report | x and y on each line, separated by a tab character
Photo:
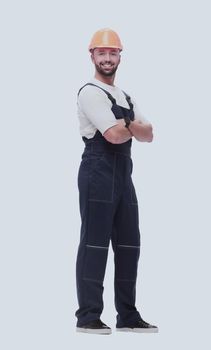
109	119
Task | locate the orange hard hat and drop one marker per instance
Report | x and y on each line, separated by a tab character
105	38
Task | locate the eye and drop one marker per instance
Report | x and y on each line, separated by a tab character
114	53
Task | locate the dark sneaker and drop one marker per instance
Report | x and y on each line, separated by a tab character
94	327
139	327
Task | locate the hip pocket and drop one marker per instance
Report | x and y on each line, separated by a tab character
101	179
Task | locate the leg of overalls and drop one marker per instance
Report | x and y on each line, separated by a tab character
96	187
126	247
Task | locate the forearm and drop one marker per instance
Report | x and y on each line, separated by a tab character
120	134
142	132
123	134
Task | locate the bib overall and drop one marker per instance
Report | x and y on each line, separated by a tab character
109	211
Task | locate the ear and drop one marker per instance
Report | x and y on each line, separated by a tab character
92	56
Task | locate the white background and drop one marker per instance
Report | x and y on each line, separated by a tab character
166	68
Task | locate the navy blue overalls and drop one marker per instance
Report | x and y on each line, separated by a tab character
109	211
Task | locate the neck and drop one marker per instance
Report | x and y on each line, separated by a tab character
104	79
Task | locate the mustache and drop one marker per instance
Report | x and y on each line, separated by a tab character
107	62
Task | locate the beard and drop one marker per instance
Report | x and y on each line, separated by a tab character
104	72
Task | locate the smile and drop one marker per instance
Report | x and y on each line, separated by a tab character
106	65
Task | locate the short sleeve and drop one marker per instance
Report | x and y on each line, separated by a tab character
138	115
96	106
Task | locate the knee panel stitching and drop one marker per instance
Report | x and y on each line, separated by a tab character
128	246
96	246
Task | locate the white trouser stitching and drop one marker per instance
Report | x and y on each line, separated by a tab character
128	246
95	246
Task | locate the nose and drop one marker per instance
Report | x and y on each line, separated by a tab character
107	56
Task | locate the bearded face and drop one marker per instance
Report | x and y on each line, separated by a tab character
106	60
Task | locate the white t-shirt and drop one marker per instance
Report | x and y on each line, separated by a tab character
94	108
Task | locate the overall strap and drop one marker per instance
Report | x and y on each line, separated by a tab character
128	100
111	98
107	93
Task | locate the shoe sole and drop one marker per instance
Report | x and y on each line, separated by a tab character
93	331
138	330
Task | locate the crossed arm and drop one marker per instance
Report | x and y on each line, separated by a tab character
119	133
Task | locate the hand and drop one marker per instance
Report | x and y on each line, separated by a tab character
142	132
137	121
122	122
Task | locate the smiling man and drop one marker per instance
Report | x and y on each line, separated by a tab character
106	61
109	120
